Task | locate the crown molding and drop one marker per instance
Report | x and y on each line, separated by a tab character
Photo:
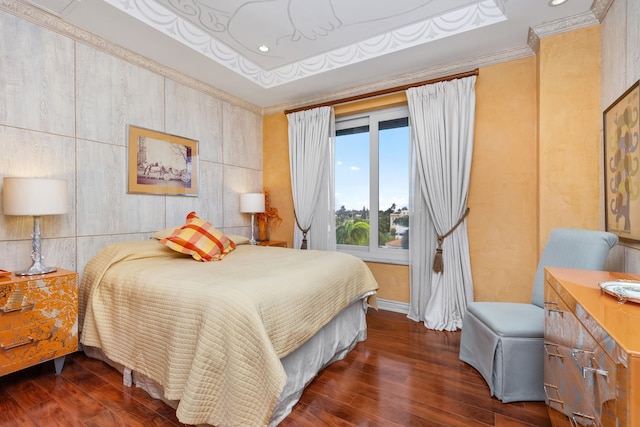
404	79
563	25
533	41
53	23
598	11
600	8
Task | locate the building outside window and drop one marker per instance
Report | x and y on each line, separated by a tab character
372	175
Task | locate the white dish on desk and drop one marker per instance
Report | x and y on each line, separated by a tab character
624	290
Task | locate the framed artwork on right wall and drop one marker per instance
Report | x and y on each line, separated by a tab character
622	165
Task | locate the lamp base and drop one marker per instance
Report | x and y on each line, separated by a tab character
35	269
252	240
36	255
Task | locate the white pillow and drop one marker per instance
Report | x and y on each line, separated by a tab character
239	240
164	233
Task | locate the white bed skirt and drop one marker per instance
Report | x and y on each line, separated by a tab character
333	342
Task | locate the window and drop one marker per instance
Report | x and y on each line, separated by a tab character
372	175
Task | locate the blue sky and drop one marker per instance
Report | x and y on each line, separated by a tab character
352	169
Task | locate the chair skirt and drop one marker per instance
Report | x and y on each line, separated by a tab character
512	366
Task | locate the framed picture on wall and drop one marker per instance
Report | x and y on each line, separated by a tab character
622	165
160	163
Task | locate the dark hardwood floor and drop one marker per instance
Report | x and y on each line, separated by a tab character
403	375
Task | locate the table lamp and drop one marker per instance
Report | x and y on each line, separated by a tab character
252	203
34	197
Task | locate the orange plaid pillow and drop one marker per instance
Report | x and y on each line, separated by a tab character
199	239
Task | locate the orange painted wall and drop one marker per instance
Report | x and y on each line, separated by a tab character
535	164
502	194
275	174
393	281
569	131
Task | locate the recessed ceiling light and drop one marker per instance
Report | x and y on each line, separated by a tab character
263	48
556	2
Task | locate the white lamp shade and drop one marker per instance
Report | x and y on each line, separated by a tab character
34	196
252	202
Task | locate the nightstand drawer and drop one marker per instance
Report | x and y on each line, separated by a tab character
33	344
30	302
16	341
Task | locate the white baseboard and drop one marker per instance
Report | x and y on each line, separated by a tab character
388	305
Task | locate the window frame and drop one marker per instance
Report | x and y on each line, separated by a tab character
373	252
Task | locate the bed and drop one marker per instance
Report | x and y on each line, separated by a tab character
230	342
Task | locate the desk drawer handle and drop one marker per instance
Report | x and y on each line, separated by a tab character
29	340
574	422
22	307
549	304
555	354
550	399
586	369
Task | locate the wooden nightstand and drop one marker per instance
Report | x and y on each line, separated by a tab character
280	243
38	319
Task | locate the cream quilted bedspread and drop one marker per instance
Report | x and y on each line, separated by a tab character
212	333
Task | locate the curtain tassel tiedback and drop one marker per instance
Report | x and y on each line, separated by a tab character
438	265
437	259
303	245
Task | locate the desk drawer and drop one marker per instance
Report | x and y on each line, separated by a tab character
580	378
580	384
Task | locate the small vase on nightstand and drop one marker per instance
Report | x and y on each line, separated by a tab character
263	231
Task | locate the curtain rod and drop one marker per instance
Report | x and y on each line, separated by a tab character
384	91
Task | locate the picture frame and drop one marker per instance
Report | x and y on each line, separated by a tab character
161	163
622	165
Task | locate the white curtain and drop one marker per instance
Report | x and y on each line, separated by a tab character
311	158
442	120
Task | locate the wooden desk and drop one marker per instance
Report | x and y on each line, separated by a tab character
592	351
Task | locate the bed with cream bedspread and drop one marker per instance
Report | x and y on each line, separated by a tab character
213	333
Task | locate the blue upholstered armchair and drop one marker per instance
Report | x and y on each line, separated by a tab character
505	341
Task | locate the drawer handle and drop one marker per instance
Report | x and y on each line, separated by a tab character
550	399
29	340
574	422
555	354
586	369
549	304
22	307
